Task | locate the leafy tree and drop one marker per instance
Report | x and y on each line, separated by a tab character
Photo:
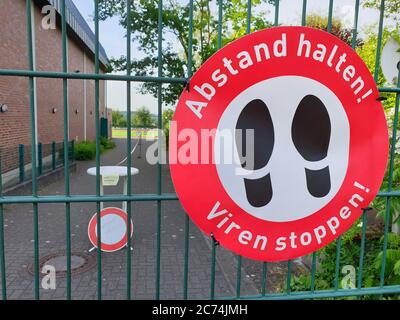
321	22
143	119
167	117
118	119
144	22
392	7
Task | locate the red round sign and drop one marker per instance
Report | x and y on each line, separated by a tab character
278	143
114	223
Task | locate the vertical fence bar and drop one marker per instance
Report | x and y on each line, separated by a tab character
388	199
187	225
339	239
129	147
2	250
313	270
354	41
63	157
248	22
276	20
72	150
330	14
239	258
2	256
337	262
289	277
220	11
66	146
34	154
379	41
238	276
393	147
213	263
40	158
304	13
390	183
264	279
362	248
353	45
159	126
186	259
97	119
21	153
53	155
355	27
213	241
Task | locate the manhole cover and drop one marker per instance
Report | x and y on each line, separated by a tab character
79	263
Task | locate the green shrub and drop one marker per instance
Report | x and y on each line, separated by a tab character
350	255
107	143
86	150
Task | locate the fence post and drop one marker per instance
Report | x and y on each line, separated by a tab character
40	159
21	163
63	152
53	155
72	150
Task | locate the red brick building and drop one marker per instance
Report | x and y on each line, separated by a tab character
15	123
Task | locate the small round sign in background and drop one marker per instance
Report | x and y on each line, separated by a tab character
320	145
113	229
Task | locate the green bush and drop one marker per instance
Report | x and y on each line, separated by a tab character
107	143
350	255
86	150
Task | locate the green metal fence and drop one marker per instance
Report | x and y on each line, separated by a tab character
53	150
159	197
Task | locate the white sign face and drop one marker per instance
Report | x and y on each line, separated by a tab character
390	61
284	175
114	227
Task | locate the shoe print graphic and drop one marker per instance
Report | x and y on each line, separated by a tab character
301	148
255	116
311	133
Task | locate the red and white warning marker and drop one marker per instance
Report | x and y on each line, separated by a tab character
113	229
319	149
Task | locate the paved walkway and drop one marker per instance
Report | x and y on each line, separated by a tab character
19	244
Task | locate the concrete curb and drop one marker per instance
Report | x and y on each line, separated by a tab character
43	180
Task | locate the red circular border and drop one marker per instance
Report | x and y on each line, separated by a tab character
93	226
198	185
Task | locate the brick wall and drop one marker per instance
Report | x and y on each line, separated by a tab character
15	124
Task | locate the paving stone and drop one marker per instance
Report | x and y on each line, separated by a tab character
19	248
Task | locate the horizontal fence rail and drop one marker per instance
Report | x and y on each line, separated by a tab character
89	76
159	196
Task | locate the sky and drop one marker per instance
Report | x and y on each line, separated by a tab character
113	40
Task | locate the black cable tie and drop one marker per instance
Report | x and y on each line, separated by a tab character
366	209
216	242
381	98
